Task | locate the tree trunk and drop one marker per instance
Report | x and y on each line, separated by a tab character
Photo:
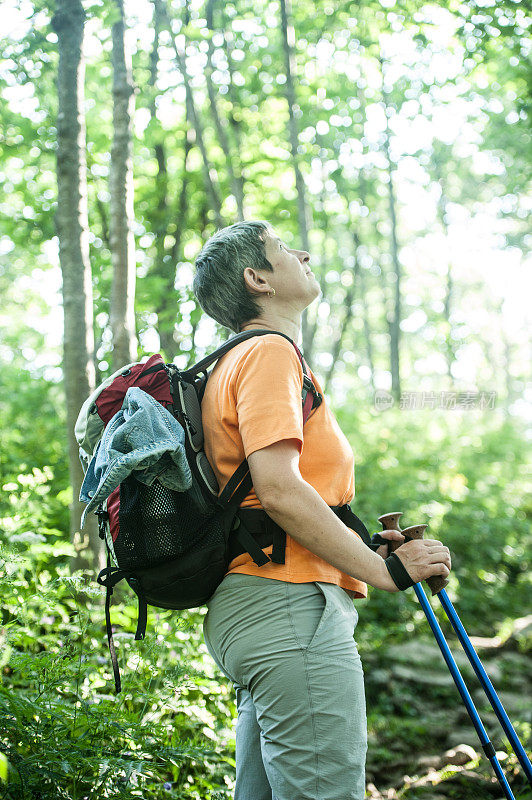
367	329
220	129
208	170
160	214
348	312
167	222
71	222
288	37
167	308
508	378
394	318
234	123
121	190
100	206
338	344
312	326
450	354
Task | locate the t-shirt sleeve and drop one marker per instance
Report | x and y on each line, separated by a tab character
268	395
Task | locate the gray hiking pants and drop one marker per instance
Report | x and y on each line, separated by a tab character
289	650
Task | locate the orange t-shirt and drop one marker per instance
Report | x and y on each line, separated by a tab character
253	399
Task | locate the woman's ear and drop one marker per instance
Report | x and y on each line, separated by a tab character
254	281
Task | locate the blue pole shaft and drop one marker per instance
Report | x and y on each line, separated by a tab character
464	693
486	683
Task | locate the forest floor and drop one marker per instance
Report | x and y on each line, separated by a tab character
422	743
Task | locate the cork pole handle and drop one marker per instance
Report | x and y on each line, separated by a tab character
390	522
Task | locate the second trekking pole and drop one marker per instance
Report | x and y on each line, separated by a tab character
391	522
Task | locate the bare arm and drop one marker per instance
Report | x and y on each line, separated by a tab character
299	510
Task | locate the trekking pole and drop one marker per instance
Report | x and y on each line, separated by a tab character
391	522
437	585
487	685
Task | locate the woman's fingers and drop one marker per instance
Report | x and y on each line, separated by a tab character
395	536
438	551
423	558
441	569
440	555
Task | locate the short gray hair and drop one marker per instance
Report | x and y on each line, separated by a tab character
219	284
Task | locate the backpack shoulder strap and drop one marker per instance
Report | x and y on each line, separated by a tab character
311	398
205	363
239	484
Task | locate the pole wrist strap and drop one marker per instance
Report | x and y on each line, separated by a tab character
400	576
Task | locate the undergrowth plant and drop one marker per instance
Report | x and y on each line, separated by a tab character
64	731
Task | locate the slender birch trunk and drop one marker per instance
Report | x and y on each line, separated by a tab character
71	221
121	190
161	211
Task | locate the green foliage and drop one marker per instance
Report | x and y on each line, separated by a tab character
342	85
33	463
169	734
65	734
465	475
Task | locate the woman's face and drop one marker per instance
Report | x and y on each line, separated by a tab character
291	277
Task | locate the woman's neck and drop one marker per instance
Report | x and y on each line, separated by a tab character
287	326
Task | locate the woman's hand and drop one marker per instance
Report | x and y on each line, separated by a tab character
392	536
423	558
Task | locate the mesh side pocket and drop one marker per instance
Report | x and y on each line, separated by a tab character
158	524
190	580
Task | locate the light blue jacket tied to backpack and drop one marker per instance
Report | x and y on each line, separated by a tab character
142	437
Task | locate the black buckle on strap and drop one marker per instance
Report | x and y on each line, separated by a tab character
254	530
249	545
308	386
103	518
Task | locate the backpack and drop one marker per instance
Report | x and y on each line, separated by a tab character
173	548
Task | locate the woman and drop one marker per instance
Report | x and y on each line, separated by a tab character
283	633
